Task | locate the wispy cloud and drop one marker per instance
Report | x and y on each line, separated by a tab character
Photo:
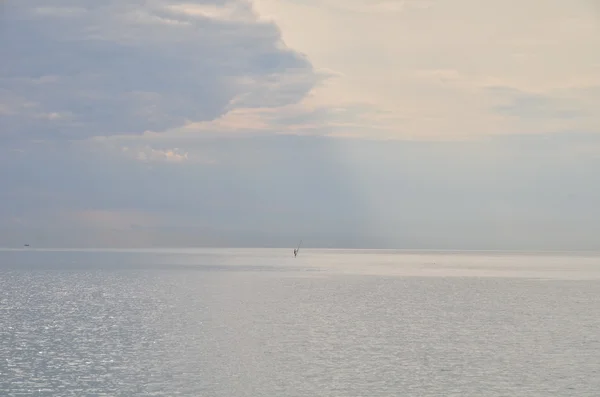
149	154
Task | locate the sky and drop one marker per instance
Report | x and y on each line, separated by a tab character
421	124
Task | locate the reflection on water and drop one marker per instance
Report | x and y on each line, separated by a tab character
328	323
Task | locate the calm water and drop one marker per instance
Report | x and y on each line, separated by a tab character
328	323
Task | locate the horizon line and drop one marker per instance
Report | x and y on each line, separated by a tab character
406	250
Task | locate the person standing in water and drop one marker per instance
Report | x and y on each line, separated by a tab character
295	252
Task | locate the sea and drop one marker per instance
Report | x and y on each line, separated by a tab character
260	322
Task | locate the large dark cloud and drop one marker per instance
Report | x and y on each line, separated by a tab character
74	69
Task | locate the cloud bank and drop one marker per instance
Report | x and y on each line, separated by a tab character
393	70
423	124
72	70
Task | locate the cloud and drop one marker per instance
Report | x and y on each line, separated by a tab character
149	154
110	219
534	106
411	69
430	63
78	69
527	191
355	123
256	194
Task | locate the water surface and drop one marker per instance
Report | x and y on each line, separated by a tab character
328	323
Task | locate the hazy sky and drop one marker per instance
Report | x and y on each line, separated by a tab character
347	123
